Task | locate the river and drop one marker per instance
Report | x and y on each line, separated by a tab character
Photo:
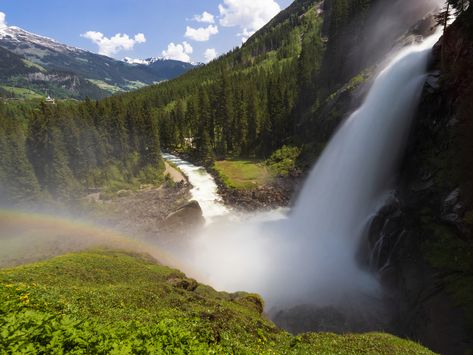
204	189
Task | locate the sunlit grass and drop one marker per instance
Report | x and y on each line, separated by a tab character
242	174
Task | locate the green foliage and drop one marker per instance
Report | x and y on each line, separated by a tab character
151	174
130	174
32	331
284	161
18	182
65	149
24	93
104	302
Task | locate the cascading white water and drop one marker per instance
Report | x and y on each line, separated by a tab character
310	257
204	189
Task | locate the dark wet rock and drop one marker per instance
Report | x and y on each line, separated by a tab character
432	83
421	183
453	210
335	319
305	318
451	218
452	198
453	122
384	234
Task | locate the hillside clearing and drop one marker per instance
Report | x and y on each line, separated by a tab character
242	174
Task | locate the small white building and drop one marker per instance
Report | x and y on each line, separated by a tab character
50	100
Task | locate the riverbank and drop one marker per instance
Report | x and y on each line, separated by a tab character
174	173
267	194
278	192
165	214
144	212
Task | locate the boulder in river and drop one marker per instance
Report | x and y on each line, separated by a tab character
187	215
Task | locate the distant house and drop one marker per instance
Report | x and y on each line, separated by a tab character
50	100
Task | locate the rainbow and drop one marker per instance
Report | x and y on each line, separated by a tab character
28	237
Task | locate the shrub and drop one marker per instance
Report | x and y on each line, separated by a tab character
284	160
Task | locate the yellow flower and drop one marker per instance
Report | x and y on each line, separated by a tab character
25	298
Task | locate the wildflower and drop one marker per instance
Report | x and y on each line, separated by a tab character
25	298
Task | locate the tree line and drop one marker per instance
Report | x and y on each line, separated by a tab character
60	151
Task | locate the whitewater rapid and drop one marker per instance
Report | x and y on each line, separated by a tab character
204	189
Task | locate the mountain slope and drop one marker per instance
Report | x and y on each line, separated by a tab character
12	65
107	75
22	78
250	94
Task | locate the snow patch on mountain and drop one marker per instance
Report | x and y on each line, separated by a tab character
146	61
17	34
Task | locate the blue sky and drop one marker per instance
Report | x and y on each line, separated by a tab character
147	27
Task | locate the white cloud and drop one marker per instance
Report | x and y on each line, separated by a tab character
245	34
210	54
3	22
187	47
249	15
115	44
206	17
201	34
178	52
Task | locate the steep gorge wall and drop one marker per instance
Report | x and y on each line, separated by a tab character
423	240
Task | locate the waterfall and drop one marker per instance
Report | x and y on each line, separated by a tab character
310	256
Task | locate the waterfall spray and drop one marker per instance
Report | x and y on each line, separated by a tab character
310	257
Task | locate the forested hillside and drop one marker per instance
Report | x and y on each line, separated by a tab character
246	103
289	84
250	102
60	151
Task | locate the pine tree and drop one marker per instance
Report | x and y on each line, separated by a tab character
151	148
205	151
18	182
253	119
225	115
38	140
58	177
118	131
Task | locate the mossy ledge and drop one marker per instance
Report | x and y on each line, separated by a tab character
101	302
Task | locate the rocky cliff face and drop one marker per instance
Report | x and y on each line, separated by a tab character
422	241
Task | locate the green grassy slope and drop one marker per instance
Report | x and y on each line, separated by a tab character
242	174
101	302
